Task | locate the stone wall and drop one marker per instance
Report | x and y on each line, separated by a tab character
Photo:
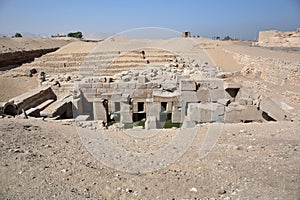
19	57
273	38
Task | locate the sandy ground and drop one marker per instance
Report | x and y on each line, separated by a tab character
47	160
15	86
18	44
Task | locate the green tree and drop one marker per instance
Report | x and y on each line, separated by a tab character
227	38
18	35
77	34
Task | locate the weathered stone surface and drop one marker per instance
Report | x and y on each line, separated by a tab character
153	110
82	118
215	95
273	108
247	93
205	112
223	102
126	78
33	98
143	79
189	96
235	113
214	84
99	111
125	117
203	95
251	114
178	112
35	111
170	87
151	123
243	101
187	85
224	74
58	108
188	123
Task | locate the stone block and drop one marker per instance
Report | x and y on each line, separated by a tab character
151	123
123	85
58	108
215	95
205	112
101	90
188	123
143	79
153	109
214	84
99	111
189	96
247	93
203	95
251	114
125	107
150	85
223	102
131	85
233	114
170	87
140	86
272	108
82	118
224	74
177	114
140	93
239	113
187	85
125	117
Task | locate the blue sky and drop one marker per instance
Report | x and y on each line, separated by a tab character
207	18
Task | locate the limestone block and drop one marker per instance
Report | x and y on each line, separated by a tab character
215	84
203	95
223	102
247	93
131	85
125	107
205	112
140	86
143	79
215	95
187	85
241	113
126	78
224	74
153	110
188	123
171	87
189	96
99	111
82	118
251	114
123	85
273	108
125	117
151	123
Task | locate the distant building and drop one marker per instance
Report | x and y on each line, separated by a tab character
186	34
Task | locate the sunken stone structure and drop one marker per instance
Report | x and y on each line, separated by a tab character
160	94
180	92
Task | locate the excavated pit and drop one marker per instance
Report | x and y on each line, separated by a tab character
147	88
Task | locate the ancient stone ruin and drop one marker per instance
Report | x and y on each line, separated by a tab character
273	38
177	92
